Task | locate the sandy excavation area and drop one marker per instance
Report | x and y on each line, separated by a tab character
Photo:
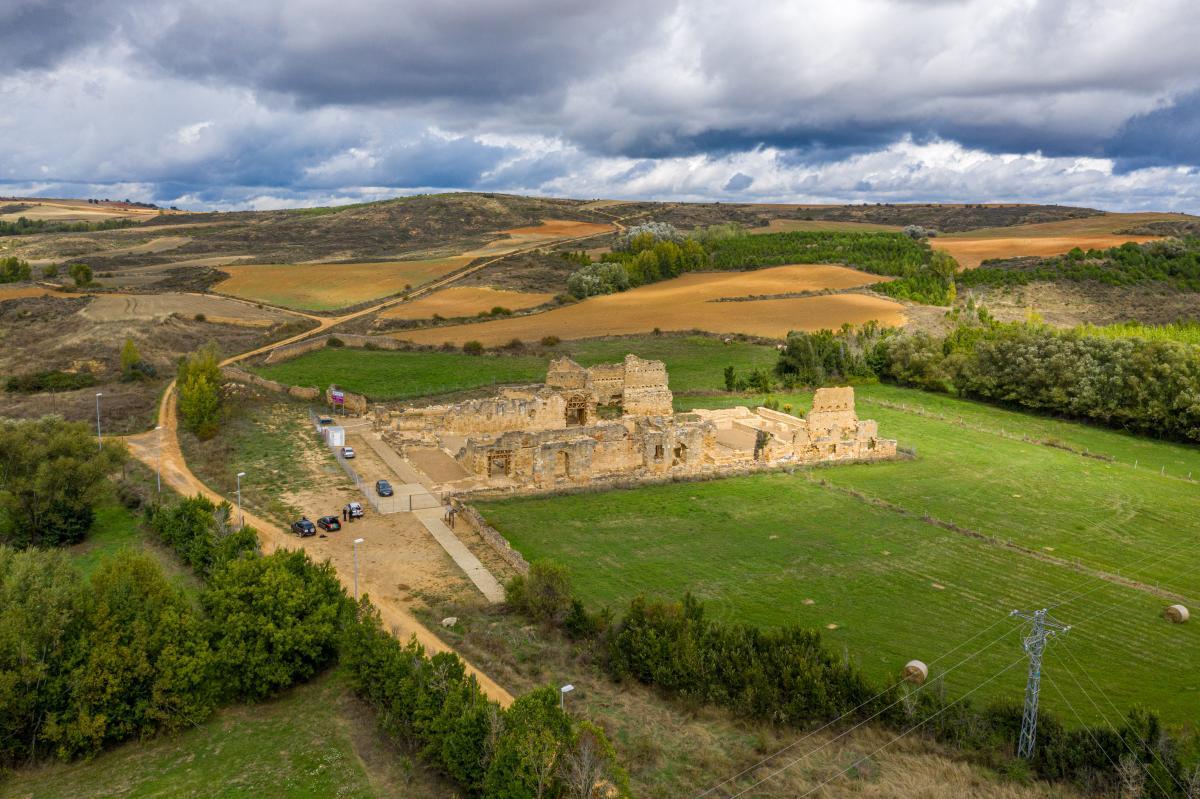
20	292
322	287
686	303
219	310
464	301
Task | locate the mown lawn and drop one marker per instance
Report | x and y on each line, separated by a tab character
694	363
315	741
775	549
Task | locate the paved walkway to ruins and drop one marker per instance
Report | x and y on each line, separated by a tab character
428	510
484	580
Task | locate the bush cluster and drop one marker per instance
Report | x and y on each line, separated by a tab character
531	749
52	380
14	270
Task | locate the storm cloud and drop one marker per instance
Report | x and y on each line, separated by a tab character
240	104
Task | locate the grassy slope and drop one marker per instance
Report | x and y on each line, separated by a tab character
756	548
695	363
311	742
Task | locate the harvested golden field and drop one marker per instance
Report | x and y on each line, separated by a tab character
687	303
323	287
464	301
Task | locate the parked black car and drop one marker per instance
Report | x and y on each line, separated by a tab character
304	528
329	523
383	488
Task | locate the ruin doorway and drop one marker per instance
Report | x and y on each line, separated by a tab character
680	454
562	464
577	411
658	452
499	463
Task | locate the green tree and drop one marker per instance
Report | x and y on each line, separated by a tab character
202	533
199	384
589	769
130	359
276	620
51	476
536	736
42	601
80	273
14	270
143	665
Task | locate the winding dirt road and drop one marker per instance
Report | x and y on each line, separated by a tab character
160	449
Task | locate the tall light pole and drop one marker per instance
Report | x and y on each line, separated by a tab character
99	440
241	518
357	541
158	467
562	696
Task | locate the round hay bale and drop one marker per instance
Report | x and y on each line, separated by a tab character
915	672
1176	614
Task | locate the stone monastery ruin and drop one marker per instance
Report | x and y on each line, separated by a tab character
616	422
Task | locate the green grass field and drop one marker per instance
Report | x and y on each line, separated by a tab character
315	741
695	363
758	549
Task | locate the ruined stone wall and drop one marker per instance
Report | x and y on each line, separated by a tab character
645	388
355	404
242	376
541	411
565	373
607	380
832	412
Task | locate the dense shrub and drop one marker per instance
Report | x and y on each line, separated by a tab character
52	381
14	270
141	666
51	476
276	621
199	385
530	750
604	278
80	273
813	359
473	348
544	594
201	533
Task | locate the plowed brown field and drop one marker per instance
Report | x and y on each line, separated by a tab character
550	230
322	287
686	304
464	301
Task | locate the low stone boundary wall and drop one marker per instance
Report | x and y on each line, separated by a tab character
492	536
242	376
356	340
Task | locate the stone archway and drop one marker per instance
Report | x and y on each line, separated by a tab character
499	463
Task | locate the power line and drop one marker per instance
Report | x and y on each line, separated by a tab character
916	726
875	715
1113	727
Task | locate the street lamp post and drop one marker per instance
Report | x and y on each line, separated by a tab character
562	696
158	466
241	518
357	541
99	440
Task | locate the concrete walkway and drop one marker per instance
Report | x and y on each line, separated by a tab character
483	579
429	511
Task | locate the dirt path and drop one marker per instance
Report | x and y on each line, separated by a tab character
395	615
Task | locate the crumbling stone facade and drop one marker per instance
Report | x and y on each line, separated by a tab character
617	421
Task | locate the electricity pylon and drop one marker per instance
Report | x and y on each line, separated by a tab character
1042	628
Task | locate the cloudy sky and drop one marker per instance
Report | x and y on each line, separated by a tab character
223	104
